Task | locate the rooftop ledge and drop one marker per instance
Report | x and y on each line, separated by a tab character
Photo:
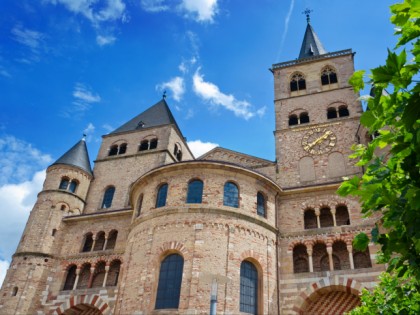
309	59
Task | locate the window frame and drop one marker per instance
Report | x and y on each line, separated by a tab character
168	292
160	200
264	204
198	198
226	199
249	301
107	198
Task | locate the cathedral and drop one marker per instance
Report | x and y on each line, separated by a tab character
151	229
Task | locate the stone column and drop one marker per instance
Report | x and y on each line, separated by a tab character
105	243
330	258
318	221
311	264
77	278
350	250
333	215
92	271
93	244
106	275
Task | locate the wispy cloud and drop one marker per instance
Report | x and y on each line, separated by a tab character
103	40
4	73
175	85
84	97
199	10
31	39
89	132
199	147
154	5
211	93
108	128
286	26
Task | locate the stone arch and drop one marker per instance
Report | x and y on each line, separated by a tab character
316	290
174	247
87	302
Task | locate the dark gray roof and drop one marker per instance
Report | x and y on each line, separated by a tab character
157	115
77	156
311	45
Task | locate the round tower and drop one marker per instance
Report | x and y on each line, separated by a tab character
64	192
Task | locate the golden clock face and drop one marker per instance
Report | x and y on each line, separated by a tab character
319	141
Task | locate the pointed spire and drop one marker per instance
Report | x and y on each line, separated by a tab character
311	45
77	156
156	115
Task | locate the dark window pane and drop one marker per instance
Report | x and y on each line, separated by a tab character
73	186
63	184
161	196
293	86
87	246
324	79
293	120
195	191
153	144
333	77
260	204
139	204
231	195
144	145
170	279
302	84
331	113
113	150
343	111
304	118
70	279
123	148
108	196
179	156
249	288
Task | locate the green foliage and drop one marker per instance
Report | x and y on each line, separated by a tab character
393	295
391	182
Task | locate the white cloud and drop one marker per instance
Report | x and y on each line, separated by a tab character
27	37
105	40
154	5
210	92
19	160
4	265
200	10
84	97
5	73
286	26
198	147
108	127
176	86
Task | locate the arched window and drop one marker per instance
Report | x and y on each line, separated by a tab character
328	76
122	149
113	150
261	204
320	257
331	113
15	291
153	144
170	279
309	219
161	196
293	120
64	183
343	111
99	275
73	186
144	145
325	217
249	288
342	215
297	82
139	205
84	277
195	191
113	273
304	118
178	152
108	196
100	241
112	239
231	195
87	246
342	254
362	259
300	259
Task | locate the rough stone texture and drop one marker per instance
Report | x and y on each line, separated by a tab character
213	239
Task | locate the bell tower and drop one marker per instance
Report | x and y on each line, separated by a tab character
316	113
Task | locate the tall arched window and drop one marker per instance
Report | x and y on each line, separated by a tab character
297	82
300	259
304	118
362	259
73	186
261	204
170	279
108	196
99	275
15	291
309	219
100	241
161	196
249	288
231	195
139	205
84	277
328	76
64	183
325	217
87	246
113	273
70	278
195	191
320	257
112	239
342	215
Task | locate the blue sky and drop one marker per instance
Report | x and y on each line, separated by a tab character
69	67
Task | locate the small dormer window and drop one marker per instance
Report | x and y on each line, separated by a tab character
328	76
297	82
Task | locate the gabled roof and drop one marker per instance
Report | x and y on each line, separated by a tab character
157	115
77	156
311	45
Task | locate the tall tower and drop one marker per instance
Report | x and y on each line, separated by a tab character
317	117
65	188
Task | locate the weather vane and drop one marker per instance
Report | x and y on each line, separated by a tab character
164	94
307	12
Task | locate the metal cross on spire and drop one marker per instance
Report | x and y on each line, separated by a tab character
307	12
164	94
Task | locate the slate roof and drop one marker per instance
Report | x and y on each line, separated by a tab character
77	156
157	115
311	45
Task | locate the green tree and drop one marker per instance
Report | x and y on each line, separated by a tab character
391	182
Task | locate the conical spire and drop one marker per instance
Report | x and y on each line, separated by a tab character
77	156
156	115
311	45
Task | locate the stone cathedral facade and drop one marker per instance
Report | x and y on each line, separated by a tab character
153	230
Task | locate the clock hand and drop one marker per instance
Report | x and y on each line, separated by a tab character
320	139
